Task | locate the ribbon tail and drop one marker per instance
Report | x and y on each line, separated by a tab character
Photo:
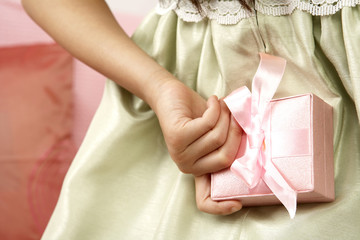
266	80
278	185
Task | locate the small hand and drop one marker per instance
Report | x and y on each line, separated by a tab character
195	130
203	183
201	138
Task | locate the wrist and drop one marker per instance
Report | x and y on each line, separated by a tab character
159	84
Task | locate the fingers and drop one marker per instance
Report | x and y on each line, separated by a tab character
222	157
180	138
187	129
205	144
212	140
195	128
206	204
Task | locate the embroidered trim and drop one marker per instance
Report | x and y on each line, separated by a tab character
231	11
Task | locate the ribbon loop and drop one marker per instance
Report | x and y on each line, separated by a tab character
252	112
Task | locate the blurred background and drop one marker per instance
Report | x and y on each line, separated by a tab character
47	101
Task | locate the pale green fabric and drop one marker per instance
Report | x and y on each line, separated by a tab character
124	185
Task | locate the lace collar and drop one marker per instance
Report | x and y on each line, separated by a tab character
231	12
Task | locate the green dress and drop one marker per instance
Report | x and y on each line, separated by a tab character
123	183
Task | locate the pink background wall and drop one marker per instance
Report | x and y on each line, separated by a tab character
16	28
47	101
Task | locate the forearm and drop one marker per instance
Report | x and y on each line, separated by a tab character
88	30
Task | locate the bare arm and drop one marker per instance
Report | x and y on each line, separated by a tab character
196	131
88	30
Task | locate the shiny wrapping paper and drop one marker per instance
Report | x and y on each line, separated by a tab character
302	151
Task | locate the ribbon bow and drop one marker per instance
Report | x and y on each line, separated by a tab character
252	112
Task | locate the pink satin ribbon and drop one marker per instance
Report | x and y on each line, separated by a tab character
252	111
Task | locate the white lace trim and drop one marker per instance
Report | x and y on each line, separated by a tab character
231	11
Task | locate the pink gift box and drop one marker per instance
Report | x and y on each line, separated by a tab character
302	151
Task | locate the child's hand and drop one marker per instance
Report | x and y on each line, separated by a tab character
195	131
204	202
203	183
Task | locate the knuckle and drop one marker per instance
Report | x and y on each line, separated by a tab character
209	124
177	161
184	168
221	137
225	160
201	206
218	138
174	140
218	142
180	158
177	158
